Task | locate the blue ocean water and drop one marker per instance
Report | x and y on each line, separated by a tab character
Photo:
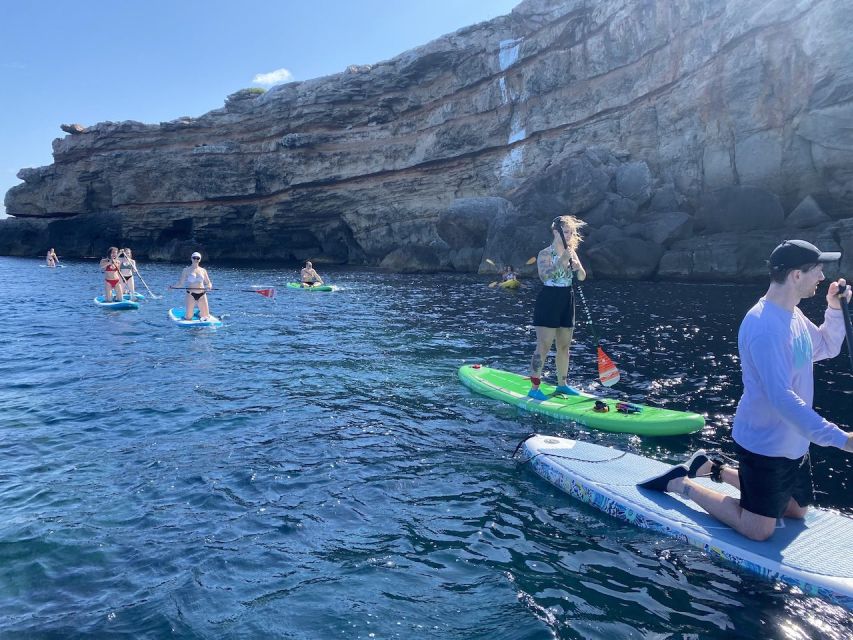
313	469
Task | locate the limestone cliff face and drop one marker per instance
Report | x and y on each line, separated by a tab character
691	136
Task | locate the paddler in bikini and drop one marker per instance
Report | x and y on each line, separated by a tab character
126	266
113	290
310	278
774	423
51	258
197	284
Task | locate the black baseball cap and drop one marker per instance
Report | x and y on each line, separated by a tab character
793	254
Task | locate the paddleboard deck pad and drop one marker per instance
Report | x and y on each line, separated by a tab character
809	554
584	408
176	315
123	305
302	287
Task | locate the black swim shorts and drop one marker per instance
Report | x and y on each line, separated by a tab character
555	308
768	483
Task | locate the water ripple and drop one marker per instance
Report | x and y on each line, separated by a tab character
314	468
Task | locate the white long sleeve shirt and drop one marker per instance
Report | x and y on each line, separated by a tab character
777	348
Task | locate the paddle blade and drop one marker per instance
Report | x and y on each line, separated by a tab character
531	261
490	261
608	374
493	284
267	293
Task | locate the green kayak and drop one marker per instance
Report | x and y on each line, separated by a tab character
309	287
586	409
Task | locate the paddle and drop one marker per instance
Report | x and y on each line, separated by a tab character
608	374
151	293
848	326
268	292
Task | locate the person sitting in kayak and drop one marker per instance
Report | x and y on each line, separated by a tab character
310	278
554	311
51	259
126	266
197	283
112	281
509	273
774	423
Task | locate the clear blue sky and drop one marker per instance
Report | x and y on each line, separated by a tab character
157	60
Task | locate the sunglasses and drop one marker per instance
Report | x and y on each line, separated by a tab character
196	258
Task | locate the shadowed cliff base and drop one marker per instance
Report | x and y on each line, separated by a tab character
691	137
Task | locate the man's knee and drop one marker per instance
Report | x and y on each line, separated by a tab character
758	528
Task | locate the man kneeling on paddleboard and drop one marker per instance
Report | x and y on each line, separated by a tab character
774	422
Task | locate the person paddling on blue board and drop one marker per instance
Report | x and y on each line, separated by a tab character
112	280
774	423
310	278
197	284
51	259
554	311
126	266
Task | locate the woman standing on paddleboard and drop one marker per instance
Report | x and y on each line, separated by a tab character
126	266
554	312
197	282
112	284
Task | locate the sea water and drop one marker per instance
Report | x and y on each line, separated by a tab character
314	469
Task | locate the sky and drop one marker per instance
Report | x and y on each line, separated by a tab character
91	61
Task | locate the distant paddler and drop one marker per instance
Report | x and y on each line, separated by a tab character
110	265
197	284
51	259
126	267
310	278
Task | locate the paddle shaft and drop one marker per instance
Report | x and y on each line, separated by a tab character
151	293
848	326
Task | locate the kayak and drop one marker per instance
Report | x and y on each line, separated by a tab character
116	306
584	408
176	315
303	287
509	284
808	554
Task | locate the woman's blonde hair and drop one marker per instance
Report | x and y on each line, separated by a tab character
571	229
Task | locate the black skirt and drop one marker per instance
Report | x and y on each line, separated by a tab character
555	308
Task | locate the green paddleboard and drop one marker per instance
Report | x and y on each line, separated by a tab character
307	287
633	418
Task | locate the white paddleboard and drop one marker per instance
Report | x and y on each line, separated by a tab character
811	554
176	315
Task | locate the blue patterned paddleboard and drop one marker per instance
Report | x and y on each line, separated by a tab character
812	554
116	306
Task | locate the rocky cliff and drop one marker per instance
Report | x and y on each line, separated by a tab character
691	136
